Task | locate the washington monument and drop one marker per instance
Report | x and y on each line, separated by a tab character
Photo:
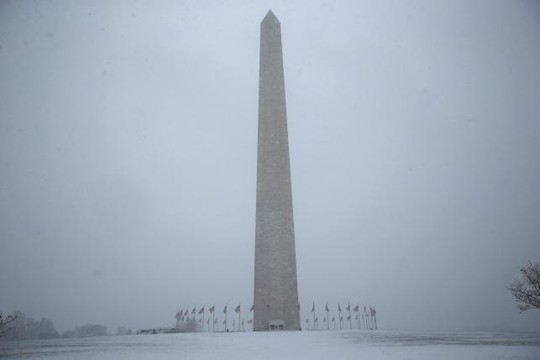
276	288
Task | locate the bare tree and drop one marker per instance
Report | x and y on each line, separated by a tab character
4	324
526	291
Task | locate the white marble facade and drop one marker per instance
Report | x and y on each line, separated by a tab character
276	289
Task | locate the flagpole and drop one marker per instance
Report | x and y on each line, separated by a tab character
201	311
364	318
366	326
350	319
339	312
358	314
327	317
358	318
313	311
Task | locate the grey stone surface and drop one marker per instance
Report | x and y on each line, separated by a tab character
276	288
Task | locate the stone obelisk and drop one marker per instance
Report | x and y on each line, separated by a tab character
276	289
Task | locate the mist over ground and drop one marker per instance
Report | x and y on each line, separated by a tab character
128	141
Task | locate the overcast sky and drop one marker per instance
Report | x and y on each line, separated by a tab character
128	142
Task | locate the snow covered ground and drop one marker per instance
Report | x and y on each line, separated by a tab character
286	345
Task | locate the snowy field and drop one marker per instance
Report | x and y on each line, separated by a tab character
286	345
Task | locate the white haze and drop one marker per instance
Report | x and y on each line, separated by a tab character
128	157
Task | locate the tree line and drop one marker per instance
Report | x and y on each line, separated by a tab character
17	326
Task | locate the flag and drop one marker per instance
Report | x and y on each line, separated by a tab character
250	321
224	322
313	308
307	321
252	308
324	320
326	308
348	307
208	322
356	308
348	318
242	322
200	320
356	317
193	311
333	319
225	309
186	313
338	307
365	308
237	309
215	321
211	309
201	311
178	316
341	318
316	319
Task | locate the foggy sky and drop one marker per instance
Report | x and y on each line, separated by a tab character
128	141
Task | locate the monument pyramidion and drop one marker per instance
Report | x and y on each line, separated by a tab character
276	304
